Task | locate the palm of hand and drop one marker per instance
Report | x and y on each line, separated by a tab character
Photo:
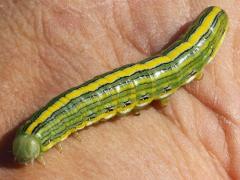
47	48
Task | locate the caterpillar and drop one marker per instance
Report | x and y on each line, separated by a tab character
123	89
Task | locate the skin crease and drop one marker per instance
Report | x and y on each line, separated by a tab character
49	46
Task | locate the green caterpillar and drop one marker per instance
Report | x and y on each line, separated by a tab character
123	89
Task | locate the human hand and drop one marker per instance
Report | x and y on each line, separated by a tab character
47	47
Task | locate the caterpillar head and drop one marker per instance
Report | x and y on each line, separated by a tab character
26	148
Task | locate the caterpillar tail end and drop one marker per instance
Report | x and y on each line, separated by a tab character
26	148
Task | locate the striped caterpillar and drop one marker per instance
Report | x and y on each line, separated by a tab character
123	89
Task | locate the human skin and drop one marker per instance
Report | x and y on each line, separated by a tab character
49	46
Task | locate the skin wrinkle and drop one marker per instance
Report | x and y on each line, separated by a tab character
145	32
21	27
227	66
145	144
123	35
110	165
91	44
41	29
217	168
226	124
137	26
109	32
56	11
58	52
165	158
185	159
54	71
183	131
126	36
215	161
155	12
176	159
168	118
194	122
196	114
48	68
236	55
226	164
115	50
187	135
215	102
27	20
44	33
211	153
180	149
201	101
116	22
77	77
12	29
215	164
214	75
217	115
129	131
180	126
106	64
67	63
